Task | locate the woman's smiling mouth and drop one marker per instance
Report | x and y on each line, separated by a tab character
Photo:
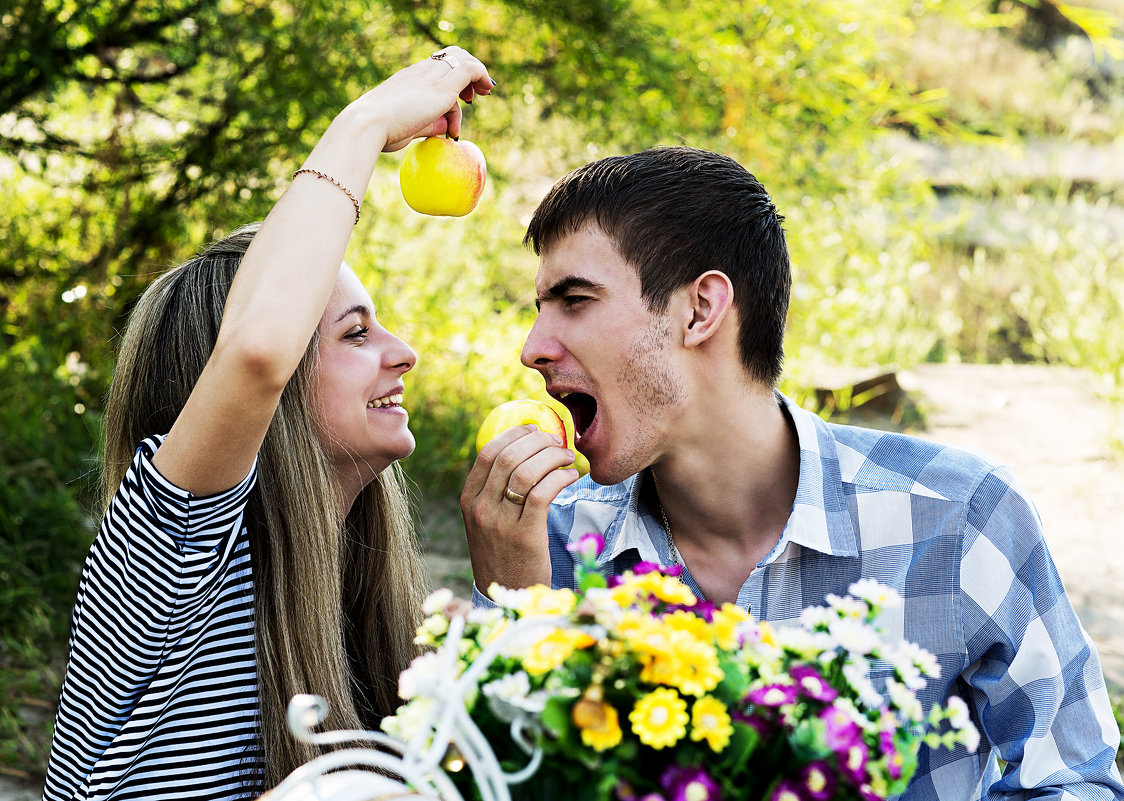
384	402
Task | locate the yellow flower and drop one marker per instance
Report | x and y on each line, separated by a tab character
689	623
659	718
686	663
711	722
668	589
599	723
766	634
554	649
647	637
542	600
726	623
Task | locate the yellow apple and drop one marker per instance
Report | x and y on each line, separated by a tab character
442	177
521	412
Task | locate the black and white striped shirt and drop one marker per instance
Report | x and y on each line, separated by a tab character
160	694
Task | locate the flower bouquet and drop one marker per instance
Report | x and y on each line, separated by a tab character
632	688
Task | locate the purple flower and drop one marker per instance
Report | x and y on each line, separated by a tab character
704	609
589	546
852	761
886	742
640	568
842	732
787	790
817	781
773	695
761	725
868	794
812	684
681	783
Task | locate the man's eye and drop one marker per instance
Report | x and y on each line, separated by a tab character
575	300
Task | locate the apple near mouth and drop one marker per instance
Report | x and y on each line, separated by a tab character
521	412
442	177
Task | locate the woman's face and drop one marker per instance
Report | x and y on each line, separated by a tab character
359	387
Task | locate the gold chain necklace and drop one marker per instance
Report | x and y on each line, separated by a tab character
666	525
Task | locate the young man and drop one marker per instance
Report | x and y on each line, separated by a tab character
662	294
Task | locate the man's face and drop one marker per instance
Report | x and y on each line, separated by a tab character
604	355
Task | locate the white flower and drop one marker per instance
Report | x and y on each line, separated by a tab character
807	644
411	719
970	736
431	628
960	718
509	599
511	695
903	659
422	677
854	636
958	715
876	594
816	617
904	700
484	615
606	611
855	674
437	600
849	607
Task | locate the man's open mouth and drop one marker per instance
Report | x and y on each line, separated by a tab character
583	408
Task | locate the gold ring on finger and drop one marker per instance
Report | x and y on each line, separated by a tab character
514	497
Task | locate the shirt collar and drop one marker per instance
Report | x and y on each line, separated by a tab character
819	519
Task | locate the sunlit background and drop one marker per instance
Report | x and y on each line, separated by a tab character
952	174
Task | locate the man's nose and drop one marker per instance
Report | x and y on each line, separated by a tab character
541	347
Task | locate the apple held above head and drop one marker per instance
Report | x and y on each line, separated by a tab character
442	177
521	412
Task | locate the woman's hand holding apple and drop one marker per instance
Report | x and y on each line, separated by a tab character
421	100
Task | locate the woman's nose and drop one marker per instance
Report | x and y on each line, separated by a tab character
398	355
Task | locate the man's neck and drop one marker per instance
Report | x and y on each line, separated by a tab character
728	490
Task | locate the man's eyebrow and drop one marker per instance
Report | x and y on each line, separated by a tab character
566	285
358	308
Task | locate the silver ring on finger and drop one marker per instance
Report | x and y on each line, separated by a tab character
446	58
514	497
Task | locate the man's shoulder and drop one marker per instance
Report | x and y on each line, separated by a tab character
871	460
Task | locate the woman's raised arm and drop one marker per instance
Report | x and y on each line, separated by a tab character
287	275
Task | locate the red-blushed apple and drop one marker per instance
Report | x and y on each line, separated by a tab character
442	177
521	412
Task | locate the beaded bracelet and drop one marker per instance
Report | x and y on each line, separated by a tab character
331	180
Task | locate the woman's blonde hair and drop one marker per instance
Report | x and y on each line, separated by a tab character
336	601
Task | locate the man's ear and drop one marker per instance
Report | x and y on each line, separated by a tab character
711	295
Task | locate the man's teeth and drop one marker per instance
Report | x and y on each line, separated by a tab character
389	400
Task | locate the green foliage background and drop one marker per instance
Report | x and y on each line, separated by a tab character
131	132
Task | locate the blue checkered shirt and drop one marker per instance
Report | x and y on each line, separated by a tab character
958	538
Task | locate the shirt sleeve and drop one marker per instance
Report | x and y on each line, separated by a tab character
155	571
1034	676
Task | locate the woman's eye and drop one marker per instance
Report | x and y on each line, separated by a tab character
358	333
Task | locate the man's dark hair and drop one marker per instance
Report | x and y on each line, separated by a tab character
674	213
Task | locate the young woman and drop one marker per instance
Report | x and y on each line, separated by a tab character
256	544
